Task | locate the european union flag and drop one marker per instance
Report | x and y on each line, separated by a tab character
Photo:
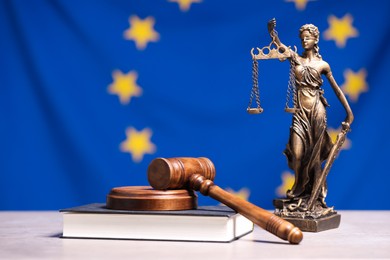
92	91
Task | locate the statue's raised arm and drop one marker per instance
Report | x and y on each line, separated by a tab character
276	49
274	34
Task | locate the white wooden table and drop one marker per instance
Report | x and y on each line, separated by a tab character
36	235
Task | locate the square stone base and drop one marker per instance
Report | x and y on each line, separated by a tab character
316	225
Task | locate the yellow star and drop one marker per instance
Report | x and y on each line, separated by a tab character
288	180
138	143
243	193
355	83
333	135
340	30
185	5
300	4
141	31
125	86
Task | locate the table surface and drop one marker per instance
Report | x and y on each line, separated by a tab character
36	235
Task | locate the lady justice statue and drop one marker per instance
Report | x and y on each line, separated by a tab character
309	144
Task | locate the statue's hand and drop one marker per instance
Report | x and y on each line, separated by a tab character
346	126
271	25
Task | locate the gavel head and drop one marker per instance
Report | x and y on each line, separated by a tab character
174	173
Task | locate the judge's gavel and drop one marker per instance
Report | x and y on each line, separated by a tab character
198	174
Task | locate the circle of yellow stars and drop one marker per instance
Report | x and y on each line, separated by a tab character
300	4
138	143
340	30
288	180
333	135
141	31
242	193
185	5
355	83
124	85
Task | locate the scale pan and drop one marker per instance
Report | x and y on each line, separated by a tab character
291	110
254	111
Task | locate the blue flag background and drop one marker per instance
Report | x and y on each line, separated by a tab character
92	91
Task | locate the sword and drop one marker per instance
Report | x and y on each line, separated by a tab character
331	157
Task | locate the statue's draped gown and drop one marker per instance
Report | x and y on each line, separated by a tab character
309	124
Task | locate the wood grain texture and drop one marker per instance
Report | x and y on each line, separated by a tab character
197	174
264	219
146	198
173	173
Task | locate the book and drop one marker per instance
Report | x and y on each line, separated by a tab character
207	223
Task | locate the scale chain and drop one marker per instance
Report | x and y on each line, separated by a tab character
291	90
291	87
255	93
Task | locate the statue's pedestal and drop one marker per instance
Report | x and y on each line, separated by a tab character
316	225
308	221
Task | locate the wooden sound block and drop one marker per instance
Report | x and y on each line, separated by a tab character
147	198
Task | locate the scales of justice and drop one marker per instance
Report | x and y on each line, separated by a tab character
310	152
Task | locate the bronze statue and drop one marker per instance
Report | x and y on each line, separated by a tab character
309	144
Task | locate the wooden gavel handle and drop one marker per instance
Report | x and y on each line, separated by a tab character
266	220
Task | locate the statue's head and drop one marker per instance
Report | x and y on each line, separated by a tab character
310	35
312	29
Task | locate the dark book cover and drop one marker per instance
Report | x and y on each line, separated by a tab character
100	208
